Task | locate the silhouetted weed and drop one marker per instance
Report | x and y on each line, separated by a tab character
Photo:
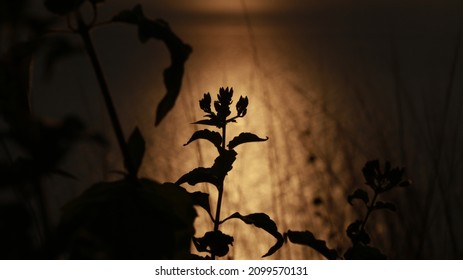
216	242
379	182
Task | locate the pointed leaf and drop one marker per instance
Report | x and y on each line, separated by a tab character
263	221
202	199
199	175
385	205
244	137
358	194
307	238
136	145
211	122
213	136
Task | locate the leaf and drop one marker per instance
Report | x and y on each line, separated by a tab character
200	175
214	242
214	175
244	137
384	205
358	194
224	163
213	136
308	239
211	122
179	53
356	234
136	145
202	199
263	221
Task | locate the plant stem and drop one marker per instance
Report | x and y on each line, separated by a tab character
370	209
220	188
83	30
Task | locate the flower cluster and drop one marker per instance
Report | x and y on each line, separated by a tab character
222	108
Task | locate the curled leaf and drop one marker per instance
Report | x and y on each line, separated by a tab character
213	137
263	221
179	53
358	194
213	175
214	242
199	175
357	234
308	239
244	137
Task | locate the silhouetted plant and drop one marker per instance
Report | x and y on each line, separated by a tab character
129	218
379	182
216	242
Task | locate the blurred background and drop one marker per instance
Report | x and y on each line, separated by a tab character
331	83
